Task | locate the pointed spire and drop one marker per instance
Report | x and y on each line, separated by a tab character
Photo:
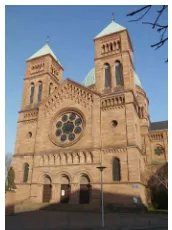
113	18
113	27
44	51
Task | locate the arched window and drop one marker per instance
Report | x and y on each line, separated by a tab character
103	48
111	47
32	87
39	91
107	48
50	88
107	75
26	172
116	169
118	73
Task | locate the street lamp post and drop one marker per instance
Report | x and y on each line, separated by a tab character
101	168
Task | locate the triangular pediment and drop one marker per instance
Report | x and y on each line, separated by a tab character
72	91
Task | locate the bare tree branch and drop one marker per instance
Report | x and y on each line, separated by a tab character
163	34
149	23
159	44
159	15
141	16
158	176
162	29
139	10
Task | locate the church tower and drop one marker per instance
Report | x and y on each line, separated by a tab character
43	75
113	59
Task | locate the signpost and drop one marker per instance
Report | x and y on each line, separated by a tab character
101	168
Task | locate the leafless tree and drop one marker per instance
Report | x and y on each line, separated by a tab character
161	29
8	158
158	177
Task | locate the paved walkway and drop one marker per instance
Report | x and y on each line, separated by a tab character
49	220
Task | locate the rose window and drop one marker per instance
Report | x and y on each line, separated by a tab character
67	128
159	150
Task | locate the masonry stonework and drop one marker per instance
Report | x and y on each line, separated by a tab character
76	127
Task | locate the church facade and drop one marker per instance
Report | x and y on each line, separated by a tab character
66	129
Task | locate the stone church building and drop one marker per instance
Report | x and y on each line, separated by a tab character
67	129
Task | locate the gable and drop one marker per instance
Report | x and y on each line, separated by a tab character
69	90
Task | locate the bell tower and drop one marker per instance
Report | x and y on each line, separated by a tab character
42	77
113	59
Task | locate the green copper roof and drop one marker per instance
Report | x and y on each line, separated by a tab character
43	51
137	80
113	27
90	79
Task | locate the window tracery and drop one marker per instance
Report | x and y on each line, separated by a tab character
68	128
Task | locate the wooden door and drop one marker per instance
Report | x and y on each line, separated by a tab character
47	190
65	193
84	196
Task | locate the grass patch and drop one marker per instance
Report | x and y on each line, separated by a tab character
158	210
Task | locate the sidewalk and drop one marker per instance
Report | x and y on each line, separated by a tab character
49	220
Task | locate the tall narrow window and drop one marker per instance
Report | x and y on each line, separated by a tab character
26	172
118	72
50	88
116	169
39	91
32	87
107	75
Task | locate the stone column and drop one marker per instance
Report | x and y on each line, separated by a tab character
74	196
53	193
113	78
40	193
56	193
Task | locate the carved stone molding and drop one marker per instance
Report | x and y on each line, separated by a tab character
29	121
29	116
68	91
113	102
37	68
24	155
114	150
64	158
156	136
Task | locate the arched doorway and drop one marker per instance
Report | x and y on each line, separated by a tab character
65	190
85	190
47	189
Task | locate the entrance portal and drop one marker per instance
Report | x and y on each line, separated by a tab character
47	189
65	190
85	190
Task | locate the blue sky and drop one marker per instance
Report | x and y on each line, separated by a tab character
71	30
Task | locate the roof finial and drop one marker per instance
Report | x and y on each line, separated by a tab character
47	41
113	18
